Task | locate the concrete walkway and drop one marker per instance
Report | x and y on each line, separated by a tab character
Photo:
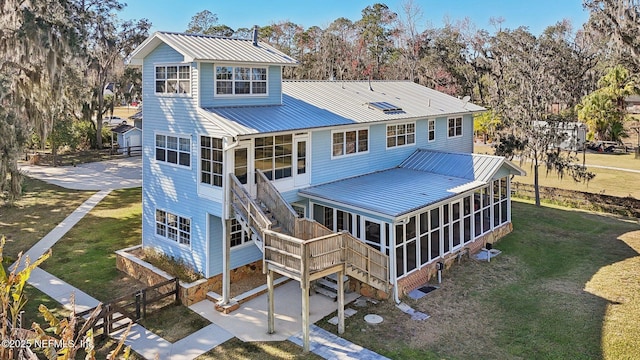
248	323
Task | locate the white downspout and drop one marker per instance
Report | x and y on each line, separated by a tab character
392	261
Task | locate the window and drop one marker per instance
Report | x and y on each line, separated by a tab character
500	202
173	149
173	227
240	167
455	127
211	161
238	236
273	156
401	134
350	142
231	80
173	79
432	130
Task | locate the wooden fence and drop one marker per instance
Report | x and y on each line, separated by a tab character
117	314
626	206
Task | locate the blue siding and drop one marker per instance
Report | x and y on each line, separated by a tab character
325	169
209	99
165	186
240	256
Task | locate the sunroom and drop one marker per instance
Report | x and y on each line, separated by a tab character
432	208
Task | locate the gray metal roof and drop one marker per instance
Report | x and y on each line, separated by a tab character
391	192
196	47
424	178
312	104
463	165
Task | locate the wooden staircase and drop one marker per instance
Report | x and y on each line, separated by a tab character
303	249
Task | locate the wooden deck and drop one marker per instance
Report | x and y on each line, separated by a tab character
303	249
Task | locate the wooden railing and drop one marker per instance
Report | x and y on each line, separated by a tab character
366	263
310	229
272	199
247	209
117	314
302	259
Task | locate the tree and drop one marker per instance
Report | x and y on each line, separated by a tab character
486	124
202	23
375	30
618	21
529	86
107	42
603	110
38	40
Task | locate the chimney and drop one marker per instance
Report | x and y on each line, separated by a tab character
255	35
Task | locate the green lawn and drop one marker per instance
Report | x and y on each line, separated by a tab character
565	287
42	207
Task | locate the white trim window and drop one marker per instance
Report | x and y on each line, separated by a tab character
431	135
238	235
401	135
454	127
349	142
240	81
173	227
274	156
211	161
173	79
173	149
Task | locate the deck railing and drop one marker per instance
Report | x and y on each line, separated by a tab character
272	199
301	259
366	263
247	209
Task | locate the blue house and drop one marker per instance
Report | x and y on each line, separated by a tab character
231	150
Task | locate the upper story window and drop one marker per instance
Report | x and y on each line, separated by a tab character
455	127
173	227
349	142
173	149
236	80
173	79
211	161
432	130
401	134
274	156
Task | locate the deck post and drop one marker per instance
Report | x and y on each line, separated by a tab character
340	302
226	263
271	309
305	316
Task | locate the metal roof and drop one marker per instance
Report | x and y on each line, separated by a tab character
463	165
312	104
391	192
195	47
122	129
425	178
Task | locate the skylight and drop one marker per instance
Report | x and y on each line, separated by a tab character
385	107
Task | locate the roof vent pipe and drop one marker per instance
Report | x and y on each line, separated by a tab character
255	35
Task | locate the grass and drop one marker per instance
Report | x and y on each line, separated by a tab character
607	181
565	287
85	256
166	323
42	207
235	349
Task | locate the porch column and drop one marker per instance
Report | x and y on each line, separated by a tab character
226	263
340	302
305	316
270	306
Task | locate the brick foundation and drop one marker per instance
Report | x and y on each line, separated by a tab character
423	275
190	293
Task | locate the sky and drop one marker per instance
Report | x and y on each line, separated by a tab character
174	15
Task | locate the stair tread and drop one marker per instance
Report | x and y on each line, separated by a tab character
327	284
334	277
326	292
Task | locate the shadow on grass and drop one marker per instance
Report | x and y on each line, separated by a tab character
545	296
550	309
